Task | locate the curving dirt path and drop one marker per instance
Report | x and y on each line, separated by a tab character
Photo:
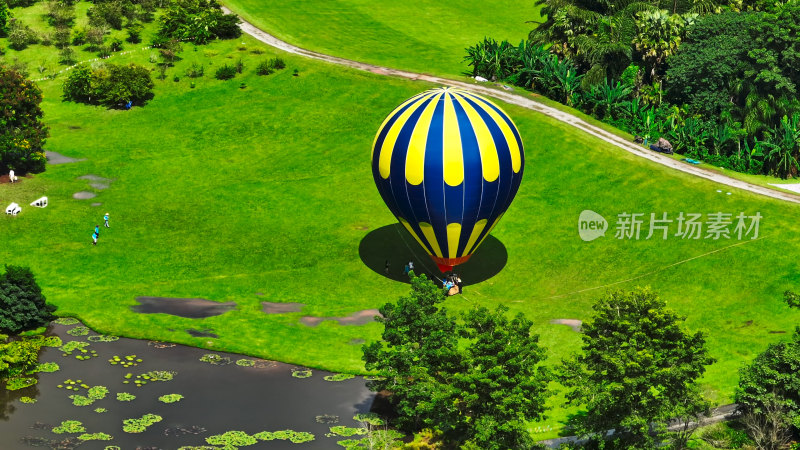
525	102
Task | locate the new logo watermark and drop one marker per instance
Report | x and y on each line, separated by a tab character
591	225
635	226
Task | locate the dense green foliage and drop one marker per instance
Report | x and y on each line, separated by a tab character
22	132
638	370
20	356
111	85
197	21
22	305
476	377
720	87
5	14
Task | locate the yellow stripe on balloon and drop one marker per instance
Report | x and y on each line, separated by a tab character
430	236
388	118
453	235
385	161
415	157
413	233
490	230
453	155
476	231
489	161
513	147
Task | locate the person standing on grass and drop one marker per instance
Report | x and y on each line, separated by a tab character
97	230
94	238
105	218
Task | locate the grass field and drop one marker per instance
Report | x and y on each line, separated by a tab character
222	192
426	36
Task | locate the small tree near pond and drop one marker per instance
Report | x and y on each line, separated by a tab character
638	370
22	305
475	376
110	85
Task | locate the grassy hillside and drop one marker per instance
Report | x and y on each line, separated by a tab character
427	36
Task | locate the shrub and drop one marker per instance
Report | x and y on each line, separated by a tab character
195	70
60	14
106	13
22	305
135	33
277	63
95	36
225	72
21	35
61	37
22	136
239	66
264	68
110	85
79	36
115	45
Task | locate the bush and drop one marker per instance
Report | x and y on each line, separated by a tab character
60	14
239	66
21	35
225	72
79	36
66	56
22	305
110	85
135	33
264	68
106	13
270	66
61	37
115	45
195	70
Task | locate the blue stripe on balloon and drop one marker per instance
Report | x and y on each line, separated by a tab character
434	176
472	187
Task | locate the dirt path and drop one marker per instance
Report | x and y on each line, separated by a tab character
528	103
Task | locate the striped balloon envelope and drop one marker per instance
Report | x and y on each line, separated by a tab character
448	163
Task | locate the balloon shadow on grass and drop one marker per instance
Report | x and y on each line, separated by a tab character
393	243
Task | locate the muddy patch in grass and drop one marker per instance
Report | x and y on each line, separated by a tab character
191	308
207	332
281	308
575	324
97	182
357	318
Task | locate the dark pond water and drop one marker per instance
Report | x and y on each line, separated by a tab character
216	398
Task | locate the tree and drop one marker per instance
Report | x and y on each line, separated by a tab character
196	21
637	371
5	14
476	377
22	132
22	305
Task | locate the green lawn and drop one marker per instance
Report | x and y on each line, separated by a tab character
222	192
426	36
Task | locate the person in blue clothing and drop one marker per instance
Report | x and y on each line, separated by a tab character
97	230
105	218
94	238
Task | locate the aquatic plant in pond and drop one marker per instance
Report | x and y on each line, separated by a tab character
71	346
52	341
296	437
125	397
69	426
48	367
154	375
232	439
213	358
127	361
78	331
14	384
98	392
80	400
66	321
141	424
170	398
339	377
100	410
374	378
370	418
95	437
86	355
245	362
301	373
102	338
346	431
27	400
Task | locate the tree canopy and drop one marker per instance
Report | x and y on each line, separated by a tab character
22	132
476	376
637	371
22	304
111	85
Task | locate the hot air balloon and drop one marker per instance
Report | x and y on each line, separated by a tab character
448	163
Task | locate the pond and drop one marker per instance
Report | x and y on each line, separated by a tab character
224	392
